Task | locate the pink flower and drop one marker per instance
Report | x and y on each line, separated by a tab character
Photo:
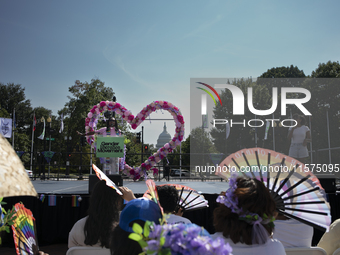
132	172
90	114
143	165
166	146
93	110
165	105
161	156
117	105
180	119
131	117
134	126
102	103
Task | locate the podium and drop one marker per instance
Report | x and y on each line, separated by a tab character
93	179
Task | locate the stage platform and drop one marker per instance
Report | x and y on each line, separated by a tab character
82	186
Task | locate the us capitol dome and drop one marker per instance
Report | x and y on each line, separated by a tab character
163	138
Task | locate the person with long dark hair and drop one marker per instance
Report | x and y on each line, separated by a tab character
244	218
103	217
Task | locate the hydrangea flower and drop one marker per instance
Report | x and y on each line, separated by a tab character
178	239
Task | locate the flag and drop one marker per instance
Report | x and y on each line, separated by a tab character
6	127
227	130
267	130
42	136
34	123
61	123
52	200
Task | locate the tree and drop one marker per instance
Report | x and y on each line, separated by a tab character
325	90
241	136
12	97
328	70
200	147
283	72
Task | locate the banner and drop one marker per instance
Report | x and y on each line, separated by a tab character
42	136
267	130
48	155
61	123
110	147
6	127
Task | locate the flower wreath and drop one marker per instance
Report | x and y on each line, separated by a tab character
137	172
231	201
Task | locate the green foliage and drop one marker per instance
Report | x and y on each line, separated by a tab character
8	219
283	72
327	70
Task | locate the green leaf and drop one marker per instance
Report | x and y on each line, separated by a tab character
137	228
147	228
142	243
135	237
162	240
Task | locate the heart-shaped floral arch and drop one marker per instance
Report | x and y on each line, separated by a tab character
136	172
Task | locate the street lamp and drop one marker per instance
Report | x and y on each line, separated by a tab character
68	150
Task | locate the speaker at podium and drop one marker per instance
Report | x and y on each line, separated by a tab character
93	179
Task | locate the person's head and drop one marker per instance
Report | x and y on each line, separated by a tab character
168	198
246	197
103	214
112	122
299	118
136	211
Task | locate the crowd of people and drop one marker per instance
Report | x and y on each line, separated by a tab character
246	219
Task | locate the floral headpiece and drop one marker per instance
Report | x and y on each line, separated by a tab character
230	200
177	239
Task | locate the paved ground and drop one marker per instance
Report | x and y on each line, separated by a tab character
81	186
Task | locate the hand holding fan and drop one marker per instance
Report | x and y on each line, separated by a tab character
24	232
102	176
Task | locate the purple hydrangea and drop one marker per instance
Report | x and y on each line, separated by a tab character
184	239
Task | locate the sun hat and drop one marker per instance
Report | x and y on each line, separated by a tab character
139	209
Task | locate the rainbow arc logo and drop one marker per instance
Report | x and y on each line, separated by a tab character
209	93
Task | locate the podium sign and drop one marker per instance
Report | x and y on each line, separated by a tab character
110	147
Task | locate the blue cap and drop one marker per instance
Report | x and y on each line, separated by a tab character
139	209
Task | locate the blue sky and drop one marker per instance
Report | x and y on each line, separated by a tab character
149	50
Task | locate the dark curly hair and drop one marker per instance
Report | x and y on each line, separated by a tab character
168	197
103	214
253	197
